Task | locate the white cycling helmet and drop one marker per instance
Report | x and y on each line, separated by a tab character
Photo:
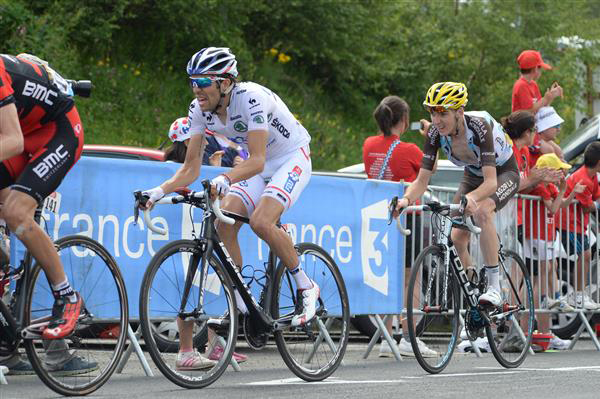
180	130
213	61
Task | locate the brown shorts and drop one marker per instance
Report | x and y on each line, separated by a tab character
507	177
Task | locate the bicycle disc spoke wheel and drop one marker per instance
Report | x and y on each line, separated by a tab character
84	360
160	300
432	310
313	351
510	332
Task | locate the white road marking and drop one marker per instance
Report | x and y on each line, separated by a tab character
329	381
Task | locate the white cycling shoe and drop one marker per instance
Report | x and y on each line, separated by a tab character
490	297
307	308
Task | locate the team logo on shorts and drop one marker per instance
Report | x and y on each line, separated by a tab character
292	179
243	183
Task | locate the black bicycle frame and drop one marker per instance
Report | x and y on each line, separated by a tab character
208	242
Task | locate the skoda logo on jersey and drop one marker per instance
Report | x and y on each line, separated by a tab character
269	116
258	119
280	128
240	126
293	178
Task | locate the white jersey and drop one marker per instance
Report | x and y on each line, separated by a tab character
253	107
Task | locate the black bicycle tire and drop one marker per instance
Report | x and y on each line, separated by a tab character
36	362
529	334
279	339
149	337
410	316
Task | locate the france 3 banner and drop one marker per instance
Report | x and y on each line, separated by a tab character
345	216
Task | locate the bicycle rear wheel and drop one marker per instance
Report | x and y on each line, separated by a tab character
433	307
511	329
160	300
314	351
82	362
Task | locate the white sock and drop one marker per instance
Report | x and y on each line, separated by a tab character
302	280
241	305
65	289
493	277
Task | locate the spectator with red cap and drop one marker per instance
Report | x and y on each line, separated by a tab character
526	93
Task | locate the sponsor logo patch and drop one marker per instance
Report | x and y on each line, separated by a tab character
240	126
293	178
258	119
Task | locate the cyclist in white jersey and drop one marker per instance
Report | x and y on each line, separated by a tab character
263	186
477	142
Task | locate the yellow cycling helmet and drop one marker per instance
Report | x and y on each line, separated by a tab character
446	94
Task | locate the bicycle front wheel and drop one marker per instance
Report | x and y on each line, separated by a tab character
313	351
82	362
433	307
511	328
160	300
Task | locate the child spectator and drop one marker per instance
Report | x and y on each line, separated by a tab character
541	244
574	222
548	124
214	153
386	157
526	93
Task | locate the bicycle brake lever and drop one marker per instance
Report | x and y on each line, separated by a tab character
140	199
391	209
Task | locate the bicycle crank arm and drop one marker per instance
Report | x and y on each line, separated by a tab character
34	331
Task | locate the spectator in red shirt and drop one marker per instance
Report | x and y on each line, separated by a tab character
386	157
541	244
526	93
574	222
404	160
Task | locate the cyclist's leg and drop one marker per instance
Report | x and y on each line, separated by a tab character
507	187
291	175
53	149
460	238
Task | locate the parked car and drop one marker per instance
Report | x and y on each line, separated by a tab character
122	152
574	145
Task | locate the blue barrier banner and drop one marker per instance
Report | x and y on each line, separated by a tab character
347	217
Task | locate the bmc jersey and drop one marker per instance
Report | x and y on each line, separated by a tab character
27	85
485	137
253	107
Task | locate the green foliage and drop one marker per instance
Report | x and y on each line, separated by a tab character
331	61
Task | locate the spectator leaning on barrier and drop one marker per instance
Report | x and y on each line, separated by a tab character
214	153
386	157
574	222
541	244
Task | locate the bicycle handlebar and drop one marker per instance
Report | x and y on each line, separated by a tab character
452	207
215	206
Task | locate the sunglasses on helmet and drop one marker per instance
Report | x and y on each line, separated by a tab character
204	82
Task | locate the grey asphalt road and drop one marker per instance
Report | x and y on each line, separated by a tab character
567	374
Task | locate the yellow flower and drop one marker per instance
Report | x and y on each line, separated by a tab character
273	52
283	58
137	72
125	66
100	62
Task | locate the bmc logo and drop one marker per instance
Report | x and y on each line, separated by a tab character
39	92
50	161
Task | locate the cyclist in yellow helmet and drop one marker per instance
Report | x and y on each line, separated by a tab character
477	142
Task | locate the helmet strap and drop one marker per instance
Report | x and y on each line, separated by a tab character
222	96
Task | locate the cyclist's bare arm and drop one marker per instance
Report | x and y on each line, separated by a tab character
257	147
190	170
414	190
11	137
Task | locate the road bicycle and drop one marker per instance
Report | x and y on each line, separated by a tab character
101	330
194	280
434	297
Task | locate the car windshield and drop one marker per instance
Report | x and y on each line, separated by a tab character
576	142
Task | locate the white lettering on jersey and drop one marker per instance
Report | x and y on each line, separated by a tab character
39	92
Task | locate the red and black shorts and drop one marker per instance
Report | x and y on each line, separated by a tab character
49	153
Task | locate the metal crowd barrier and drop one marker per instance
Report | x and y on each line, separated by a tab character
567	266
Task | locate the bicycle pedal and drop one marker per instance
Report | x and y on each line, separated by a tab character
34	331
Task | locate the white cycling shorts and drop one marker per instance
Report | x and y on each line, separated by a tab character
283	178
